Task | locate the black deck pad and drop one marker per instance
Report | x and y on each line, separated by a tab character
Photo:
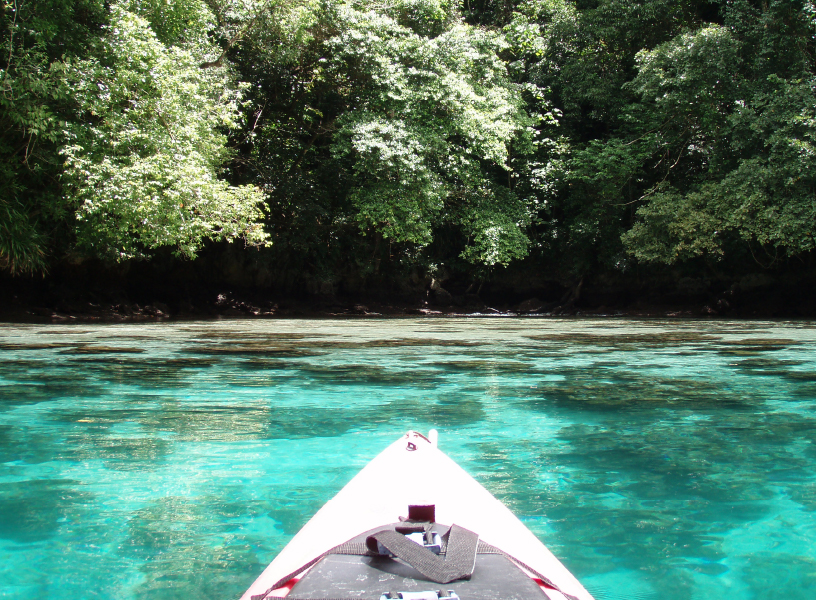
495	577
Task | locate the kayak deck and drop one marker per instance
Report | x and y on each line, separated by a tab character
413	471
353	575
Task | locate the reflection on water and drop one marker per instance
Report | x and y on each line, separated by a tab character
670	460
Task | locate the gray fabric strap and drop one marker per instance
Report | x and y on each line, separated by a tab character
358	548
458	563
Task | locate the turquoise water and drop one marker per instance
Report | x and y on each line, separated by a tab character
659	460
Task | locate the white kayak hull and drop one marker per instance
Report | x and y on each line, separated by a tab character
413	471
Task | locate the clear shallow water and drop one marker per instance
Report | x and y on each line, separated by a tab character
658	460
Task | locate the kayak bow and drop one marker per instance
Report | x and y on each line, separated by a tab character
364	527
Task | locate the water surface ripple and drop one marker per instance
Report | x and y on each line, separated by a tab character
658	459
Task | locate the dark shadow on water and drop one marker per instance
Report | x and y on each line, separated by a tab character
453	409
32	509
32	381
282	348
612	390
37	346
92	349
633	341
315	421
46	386
263	336
365	374
789	576
484	367
146	372
252	351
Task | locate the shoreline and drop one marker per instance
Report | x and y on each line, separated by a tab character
21	312
102	298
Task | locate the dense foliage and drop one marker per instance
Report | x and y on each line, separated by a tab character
584	135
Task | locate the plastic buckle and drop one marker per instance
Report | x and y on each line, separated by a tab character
430	540
438	595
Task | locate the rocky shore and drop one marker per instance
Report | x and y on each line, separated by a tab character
213	288
34	304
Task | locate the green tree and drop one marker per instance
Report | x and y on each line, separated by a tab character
396	122
687	128
114	132
583	54
732	115
35	104
142	169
